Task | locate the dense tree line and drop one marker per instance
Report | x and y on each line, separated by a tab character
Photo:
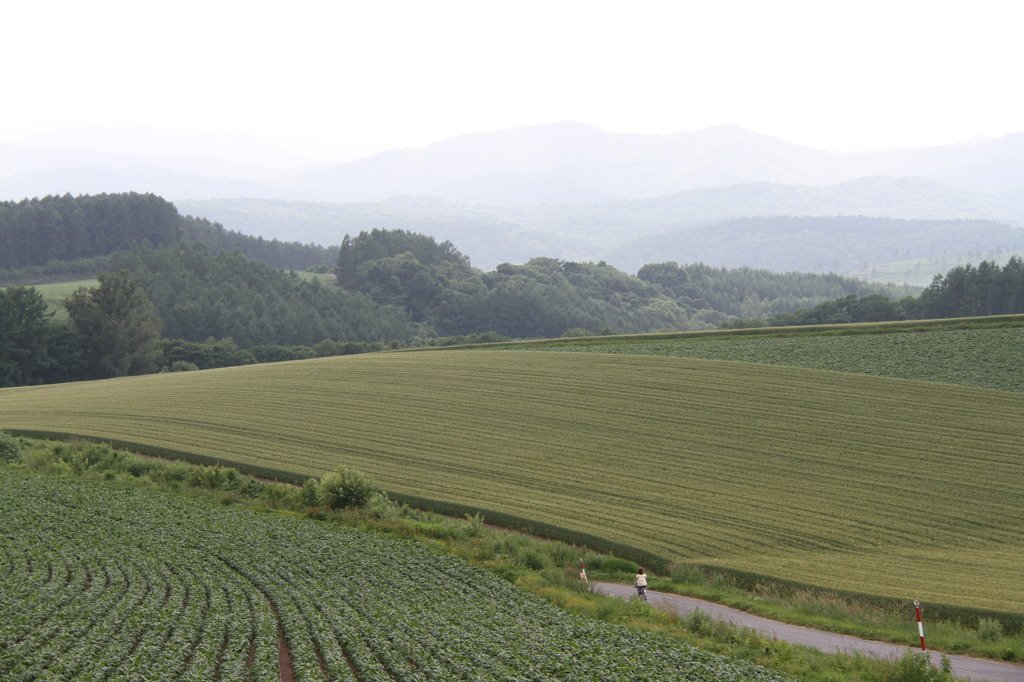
751	293
112	330
277	254
546	296
967	291
54	271
64	236
178	355
845	310
208	297
66	228
964	291
116	325
34	349
836	243
198	295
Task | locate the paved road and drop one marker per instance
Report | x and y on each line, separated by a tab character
964	667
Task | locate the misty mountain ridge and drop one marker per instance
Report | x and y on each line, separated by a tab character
880	220
557	163
566	190
565	163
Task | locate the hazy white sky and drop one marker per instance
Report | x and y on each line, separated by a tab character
358	77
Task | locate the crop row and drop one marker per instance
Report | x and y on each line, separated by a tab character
102	582
801	472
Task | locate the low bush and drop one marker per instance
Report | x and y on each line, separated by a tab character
534	560
215	478
610	564
989	629
10	447
309	494
344	488
916	666
685	573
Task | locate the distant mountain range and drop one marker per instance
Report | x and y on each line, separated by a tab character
923	217
558	163
567	190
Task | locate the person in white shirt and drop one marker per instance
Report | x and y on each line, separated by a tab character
641	584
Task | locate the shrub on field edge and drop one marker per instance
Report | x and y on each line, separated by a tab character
10	447
534	560
309	494
916	666
989	629
610	564
344	488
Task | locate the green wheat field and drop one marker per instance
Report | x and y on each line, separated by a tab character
874	485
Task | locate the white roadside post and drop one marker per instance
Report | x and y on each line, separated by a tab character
920	625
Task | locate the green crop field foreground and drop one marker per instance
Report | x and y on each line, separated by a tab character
872	485
108	583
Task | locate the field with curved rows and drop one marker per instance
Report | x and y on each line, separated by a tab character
103	582
873	485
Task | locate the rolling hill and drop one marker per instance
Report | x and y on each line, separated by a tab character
892	488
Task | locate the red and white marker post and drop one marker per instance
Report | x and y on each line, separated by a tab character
920	625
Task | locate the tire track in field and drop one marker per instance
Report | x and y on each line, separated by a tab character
284	653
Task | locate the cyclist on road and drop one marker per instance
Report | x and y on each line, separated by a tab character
641	584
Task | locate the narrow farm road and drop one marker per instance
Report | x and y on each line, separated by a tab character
964	667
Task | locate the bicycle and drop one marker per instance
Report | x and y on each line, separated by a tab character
641	592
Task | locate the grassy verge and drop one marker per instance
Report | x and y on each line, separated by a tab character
845	615
549	568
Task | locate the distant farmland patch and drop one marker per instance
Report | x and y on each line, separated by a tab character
55	293
987	358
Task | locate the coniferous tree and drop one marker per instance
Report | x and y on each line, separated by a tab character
117	325
33	348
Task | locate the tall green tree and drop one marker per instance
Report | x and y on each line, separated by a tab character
967	290
406	269
117	325
26	337
36	231
199	295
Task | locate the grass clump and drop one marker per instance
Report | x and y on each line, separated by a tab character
10	447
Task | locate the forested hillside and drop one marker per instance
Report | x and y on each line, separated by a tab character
174	295
64	228
849	244
545	297
965	291
968	290
918	214
750	292
198	295
55	233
